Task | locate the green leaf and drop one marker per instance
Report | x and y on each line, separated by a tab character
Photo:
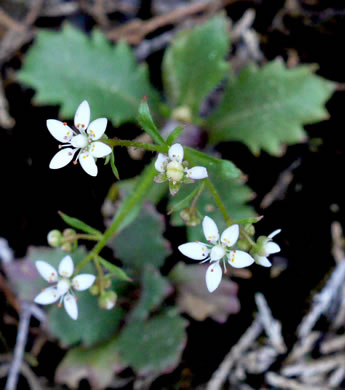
265	108
97	364
142	242
80	225
224	168
154	288
194	63
174	135
117	272
67	67
146	122
153	346
113	166
234	194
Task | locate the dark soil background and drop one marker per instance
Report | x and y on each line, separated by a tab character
31	194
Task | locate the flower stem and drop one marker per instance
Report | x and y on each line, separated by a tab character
139	145
219	202
134	199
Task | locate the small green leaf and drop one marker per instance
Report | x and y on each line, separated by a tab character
142	242
174	135
80	225
154	288
146	122
114	270
97	364
153	346
113	166
224	168
195	63
265	108
66	67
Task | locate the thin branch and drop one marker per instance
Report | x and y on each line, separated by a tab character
22	335
244	343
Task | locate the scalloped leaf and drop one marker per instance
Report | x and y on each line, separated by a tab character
194	298
66	67
195	63
155	345
154	288
142	242
267	107
97	364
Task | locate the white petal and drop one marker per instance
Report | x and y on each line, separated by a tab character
274	233
210	229
62	158
197	173
176	152
88	163
47	271
83	281
71	307
161	162
59	130
47	296
194	250
100	149
82	116
230	235
97	128
79	141
262	260
66	267
217	253
213	276
240	259
63	286
271	247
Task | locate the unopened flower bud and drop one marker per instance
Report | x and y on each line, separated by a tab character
69	233
107	300
54	238
94	290
243	245
67	246
182	114
190	217
250	229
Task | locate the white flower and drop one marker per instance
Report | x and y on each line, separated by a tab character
216	251
83	138
63	285
173	168
268	248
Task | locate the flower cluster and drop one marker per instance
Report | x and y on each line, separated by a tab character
62	290
83	138
219	249
175	170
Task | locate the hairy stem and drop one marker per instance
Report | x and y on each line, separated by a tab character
139	145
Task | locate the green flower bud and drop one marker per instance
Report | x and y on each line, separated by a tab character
182	114
67	246
69	233
107	300
94	289
54	238
243	245
190	217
